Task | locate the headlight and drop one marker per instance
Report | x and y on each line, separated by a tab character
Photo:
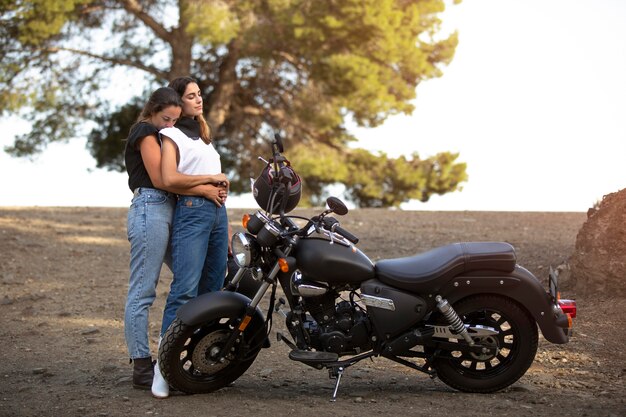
244	249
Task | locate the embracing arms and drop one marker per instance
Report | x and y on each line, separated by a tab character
173	178
200	185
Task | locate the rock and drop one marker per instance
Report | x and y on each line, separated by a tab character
598	264
6	301
42	371
123	381
519	387
109	368
10	278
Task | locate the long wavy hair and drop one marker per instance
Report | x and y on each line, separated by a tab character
180	85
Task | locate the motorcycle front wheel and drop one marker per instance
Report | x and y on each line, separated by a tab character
515	346
188	354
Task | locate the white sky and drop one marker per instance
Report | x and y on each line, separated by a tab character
534	101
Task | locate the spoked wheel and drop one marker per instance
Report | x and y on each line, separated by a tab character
188	355
513	348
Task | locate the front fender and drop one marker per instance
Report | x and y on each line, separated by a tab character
521	286
206	306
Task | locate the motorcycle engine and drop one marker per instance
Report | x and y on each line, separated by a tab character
341	328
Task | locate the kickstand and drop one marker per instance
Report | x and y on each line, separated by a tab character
336	373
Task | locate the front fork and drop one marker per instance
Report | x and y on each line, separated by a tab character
236	335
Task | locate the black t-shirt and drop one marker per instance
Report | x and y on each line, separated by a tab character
137	174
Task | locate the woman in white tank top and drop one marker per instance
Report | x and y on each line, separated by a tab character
200	228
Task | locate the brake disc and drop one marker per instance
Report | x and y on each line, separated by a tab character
206	349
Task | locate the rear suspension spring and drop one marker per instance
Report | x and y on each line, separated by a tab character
456	324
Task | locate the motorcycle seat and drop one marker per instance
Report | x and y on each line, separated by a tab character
422	271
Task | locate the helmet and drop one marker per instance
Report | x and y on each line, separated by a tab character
269	189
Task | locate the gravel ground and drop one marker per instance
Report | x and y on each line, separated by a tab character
63	278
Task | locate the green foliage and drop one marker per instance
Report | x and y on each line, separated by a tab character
380	181
321	165
115	125
376	180
212	22
40	20
301	67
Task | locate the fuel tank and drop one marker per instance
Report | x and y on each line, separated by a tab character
335	263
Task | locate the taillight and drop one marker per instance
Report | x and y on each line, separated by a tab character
568	307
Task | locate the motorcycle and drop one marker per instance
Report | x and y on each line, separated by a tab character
465	312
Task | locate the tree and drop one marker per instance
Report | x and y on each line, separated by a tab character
302	67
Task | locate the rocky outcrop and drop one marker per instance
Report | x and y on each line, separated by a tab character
598	264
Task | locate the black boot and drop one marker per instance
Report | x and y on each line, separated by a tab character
143	373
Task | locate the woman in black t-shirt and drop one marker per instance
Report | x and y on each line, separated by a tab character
150	222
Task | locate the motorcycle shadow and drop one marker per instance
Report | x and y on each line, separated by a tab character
359	383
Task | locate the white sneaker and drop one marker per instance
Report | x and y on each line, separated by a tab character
160	387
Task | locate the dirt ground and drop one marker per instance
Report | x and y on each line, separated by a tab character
63	279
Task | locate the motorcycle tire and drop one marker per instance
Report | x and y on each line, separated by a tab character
185	354
516	345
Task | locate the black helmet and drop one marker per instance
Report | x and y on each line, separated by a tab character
269	189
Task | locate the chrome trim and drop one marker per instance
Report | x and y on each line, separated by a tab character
306	288
242	249
311	290
378	302
478	330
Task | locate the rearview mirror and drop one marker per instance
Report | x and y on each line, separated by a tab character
278	142
337	206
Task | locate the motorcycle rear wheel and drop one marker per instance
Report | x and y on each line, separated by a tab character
516	345
187	354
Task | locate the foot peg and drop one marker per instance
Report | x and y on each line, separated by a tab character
281	338
309	357
319	360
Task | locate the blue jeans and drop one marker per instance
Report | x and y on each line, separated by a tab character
199	252
149	225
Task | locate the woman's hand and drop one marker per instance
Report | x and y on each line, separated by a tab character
223	191
214	193
221	180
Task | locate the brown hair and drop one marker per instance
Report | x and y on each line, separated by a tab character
160	99
180	85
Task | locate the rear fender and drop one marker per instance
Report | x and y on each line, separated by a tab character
224	303
519	285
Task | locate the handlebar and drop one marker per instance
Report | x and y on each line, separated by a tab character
343	232
285	178
333	226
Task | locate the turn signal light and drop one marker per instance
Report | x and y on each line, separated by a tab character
568	307
245	220
284	265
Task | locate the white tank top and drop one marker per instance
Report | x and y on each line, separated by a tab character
196	157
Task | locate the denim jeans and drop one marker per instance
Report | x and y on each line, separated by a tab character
149	225
199	252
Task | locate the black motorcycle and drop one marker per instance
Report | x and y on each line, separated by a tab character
464	312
